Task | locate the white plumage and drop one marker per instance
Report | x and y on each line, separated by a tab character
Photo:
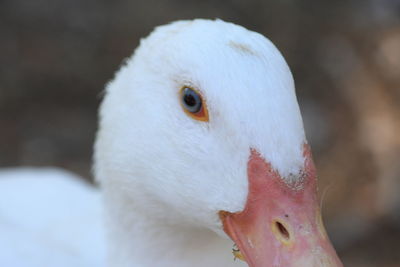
49	217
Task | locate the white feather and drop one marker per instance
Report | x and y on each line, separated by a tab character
49	217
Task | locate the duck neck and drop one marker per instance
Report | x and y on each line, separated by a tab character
137	239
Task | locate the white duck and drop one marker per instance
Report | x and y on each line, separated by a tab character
201	145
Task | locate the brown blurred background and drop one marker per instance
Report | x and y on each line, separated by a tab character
56	56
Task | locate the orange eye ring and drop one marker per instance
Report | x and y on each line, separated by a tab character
193	104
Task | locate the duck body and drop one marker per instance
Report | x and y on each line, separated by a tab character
49	217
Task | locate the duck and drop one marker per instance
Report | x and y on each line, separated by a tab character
201	159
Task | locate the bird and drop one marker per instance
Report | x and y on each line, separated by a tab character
201	159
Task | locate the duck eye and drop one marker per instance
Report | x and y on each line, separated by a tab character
191	100
193	104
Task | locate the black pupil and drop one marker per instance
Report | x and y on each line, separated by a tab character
191	100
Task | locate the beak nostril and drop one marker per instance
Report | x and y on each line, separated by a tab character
282	230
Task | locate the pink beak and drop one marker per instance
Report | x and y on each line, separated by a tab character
281	223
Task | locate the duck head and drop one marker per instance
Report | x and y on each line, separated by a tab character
202	127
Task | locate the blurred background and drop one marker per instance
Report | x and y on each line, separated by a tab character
56	56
